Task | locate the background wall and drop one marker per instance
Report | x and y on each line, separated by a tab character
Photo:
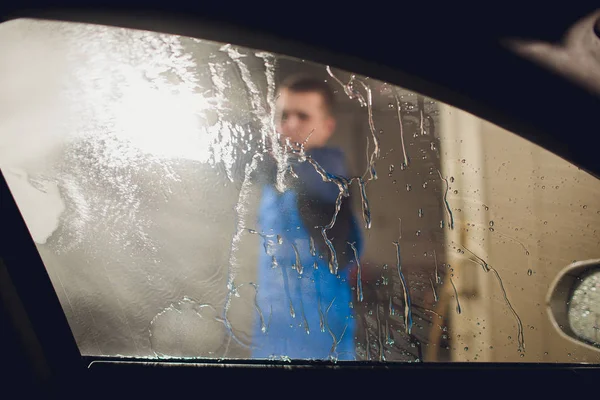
527	213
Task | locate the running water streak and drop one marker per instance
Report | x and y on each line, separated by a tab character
328	69
376	151
389	340
269	62
321	316
240	223
448	210
266	129
223	142
348	88
408	322
291	171
480	261
435	297
379	341
437	275
352	94
298	264
433	312
365	203
398	109
263	327
304	320
342	334
265	238
520	331
312	249
254	93
458	309
342	184
367	344
370	165
265	113
286	288
515	240
359	287
335	341
333	262
343	187
487	268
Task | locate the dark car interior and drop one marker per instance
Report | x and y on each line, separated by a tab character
479	60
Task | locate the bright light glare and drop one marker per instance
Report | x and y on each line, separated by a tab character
163	123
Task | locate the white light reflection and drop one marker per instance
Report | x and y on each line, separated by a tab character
165	123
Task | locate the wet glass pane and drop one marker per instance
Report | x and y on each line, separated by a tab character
199	199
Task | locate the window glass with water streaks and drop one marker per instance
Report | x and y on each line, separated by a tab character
202	200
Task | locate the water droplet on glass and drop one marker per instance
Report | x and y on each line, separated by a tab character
452	179
491	229
491	223
466	349
390	105
381	131
463	161
394	181
424	185
391	168
584	206
455	191
522	355
486	208
418	233
420	213
529	272
408	187
442	224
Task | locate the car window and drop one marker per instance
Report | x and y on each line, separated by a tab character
203	200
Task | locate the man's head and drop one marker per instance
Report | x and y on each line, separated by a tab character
305	106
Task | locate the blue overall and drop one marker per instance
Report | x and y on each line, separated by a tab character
305	315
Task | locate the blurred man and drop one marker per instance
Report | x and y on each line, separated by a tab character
304	300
